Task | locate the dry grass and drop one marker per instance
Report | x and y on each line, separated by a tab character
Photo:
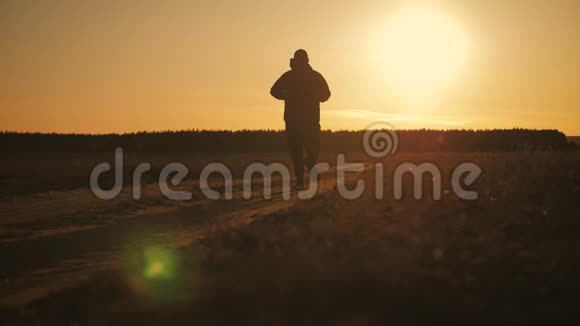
512	257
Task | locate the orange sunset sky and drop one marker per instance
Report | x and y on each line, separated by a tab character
100	66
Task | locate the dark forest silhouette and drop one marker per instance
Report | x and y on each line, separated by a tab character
270	141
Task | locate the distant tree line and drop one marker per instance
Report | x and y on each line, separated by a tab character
245	141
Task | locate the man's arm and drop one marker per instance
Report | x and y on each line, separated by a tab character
279	90
324	90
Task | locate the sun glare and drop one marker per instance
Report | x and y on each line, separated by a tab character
420	50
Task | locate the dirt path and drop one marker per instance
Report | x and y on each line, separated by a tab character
51	242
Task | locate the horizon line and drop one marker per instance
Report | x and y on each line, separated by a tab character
128	133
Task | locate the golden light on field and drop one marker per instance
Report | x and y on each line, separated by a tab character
420	50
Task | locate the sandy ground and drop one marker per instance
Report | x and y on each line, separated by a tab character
52	241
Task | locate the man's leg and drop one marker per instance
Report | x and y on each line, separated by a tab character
312	144
294	138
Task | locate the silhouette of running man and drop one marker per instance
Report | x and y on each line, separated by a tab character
302	90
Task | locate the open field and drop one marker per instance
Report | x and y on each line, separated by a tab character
289	163
512	256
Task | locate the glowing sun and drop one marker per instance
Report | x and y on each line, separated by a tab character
420	50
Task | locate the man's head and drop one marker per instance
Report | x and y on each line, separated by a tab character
300	56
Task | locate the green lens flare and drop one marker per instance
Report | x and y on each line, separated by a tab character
160	264
162	273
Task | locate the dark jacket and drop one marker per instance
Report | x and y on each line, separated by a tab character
302	90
